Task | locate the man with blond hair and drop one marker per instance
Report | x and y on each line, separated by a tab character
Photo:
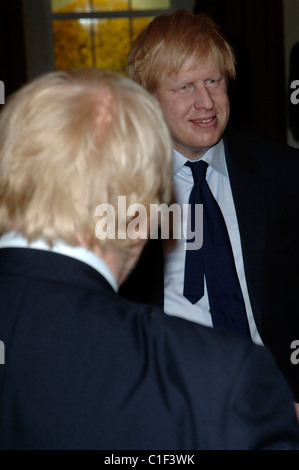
186	62
84	368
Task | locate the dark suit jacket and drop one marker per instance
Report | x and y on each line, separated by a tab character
265	184
85	369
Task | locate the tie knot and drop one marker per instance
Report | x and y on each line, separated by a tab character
198	169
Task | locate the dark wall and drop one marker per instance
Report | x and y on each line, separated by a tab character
12	45
255	29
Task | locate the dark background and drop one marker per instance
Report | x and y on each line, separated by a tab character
12	45
255	29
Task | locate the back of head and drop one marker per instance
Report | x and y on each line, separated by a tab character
70	141
169	40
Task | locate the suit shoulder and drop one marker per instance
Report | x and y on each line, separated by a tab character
192	339
258	145
182	334
263	158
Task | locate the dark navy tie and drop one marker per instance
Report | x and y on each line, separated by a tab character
214	260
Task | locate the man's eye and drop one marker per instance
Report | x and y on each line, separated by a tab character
185	87
211	81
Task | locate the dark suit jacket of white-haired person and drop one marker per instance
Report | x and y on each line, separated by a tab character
86	369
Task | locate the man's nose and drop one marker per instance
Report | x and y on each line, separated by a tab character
203	98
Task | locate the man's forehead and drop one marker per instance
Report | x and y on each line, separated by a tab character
195	68
198	63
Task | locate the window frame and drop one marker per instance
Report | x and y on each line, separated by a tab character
38	17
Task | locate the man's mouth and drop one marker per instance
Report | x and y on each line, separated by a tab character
204	121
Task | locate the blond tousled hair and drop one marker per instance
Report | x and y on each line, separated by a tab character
169	40
70	141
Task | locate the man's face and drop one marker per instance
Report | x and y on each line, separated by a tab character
195	106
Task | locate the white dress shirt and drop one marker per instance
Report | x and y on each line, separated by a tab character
17	240
217	178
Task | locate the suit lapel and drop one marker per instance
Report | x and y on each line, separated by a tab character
247	189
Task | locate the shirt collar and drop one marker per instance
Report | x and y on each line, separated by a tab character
17	240
215	157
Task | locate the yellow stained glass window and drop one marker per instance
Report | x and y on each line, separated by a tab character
85	6
107	5
99	33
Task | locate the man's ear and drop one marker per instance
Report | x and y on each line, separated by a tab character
82	240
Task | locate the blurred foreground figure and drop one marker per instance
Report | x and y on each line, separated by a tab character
84	368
